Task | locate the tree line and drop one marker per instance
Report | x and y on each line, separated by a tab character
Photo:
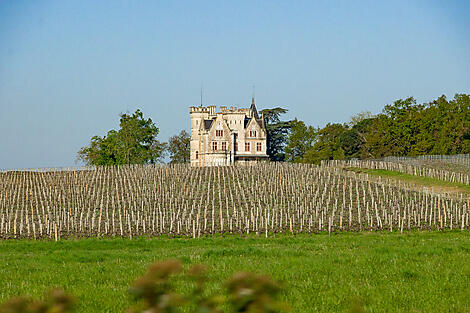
404	128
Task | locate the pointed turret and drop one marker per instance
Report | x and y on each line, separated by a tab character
254	111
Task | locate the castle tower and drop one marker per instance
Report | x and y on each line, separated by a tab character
197	115
231	136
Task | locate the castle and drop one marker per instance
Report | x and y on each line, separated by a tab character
231	136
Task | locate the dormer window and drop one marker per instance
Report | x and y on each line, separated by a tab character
219	132
252	133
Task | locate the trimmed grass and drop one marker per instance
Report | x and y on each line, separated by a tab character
388	272
416	180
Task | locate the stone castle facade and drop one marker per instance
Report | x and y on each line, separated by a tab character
231	136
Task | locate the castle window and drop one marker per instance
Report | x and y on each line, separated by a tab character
258	146
197	155
219	132
247	146
236	146
252	133
214	146
224	145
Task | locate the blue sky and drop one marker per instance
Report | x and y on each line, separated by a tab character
69	68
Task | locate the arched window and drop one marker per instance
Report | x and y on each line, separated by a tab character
197	155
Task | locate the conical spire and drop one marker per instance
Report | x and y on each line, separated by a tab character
254	111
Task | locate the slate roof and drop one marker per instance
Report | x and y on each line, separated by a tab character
259	120
247	121
208	124
254	110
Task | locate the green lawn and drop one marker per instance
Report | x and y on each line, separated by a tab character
389	272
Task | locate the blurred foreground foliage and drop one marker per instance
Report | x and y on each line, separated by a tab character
155	292
56	301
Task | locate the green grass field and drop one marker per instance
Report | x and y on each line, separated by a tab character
388	272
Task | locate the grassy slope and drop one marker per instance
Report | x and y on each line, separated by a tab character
411	272
417	180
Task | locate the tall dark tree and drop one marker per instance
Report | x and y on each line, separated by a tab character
277	132
179	147
134	143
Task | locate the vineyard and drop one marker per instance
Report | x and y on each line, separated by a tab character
450	168
178	200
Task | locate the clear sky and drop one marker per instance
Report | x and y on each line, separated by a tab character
69	68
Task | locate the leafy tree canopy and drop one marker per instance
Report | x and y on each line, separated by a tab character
300	140
403	128
134	143
179	147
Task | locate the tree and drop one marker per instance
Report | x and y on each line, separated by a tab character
404	128
327	145
101	151
359	117
134	143
300	140
351	142
179	147
277	132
